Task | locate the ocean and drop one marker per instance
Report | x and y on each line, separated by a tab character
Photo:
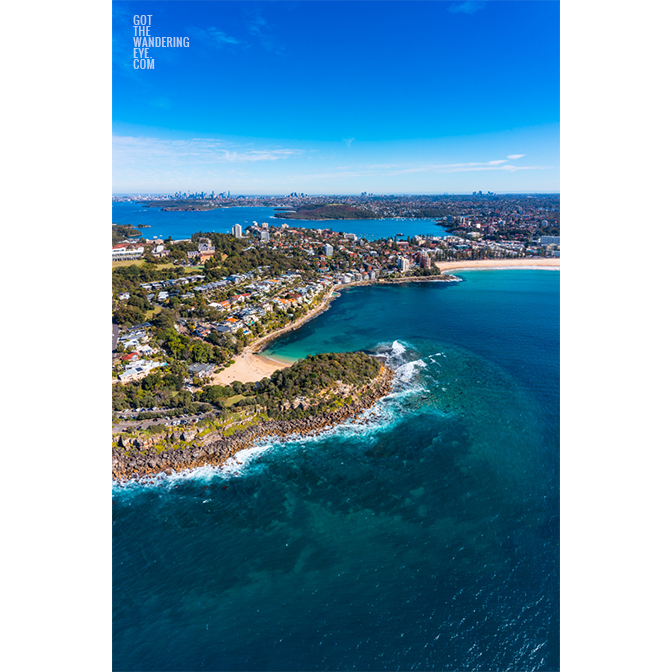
423	535
180	225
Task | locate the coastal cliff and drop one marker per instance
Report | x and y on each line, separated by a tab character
175	450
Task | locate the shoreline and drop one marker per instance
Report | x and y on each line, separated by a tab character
252	366
499	264
214	449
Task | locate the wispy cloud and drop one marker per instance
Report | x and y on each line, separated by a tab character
496	164
220	37
348	141
257	25
393	170
261	31
468	7
213	37
513	157
129	150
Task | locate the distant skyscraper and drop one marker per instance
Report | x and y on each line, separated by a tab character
328	250
265	236
237	231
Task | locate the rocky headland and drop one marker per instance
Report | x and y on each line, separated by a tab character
175	450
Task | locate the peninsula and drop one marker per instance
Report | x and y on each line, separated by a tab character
318	211
187	205
191	319
313	394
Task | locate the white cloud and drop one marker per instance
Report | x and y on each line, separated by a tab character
262	31
257	25
468	7
513	157
213	37
221	38
172	153
459	167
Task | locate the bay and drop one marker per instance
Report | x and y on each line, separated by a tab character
423	535
180	225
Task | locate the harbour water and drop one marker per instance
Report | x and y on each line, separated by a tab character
180	225
423	535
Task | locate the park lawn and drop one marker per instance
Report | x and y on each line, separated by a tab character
232	400
139	262
123	264
142	262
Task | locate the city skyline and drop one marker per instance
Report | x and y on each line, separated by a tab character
339	98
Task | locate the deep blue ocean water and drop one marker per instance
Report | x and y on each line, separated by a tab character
183	224
422	536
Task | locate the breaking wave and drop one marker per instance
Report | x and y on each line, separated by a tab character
384	414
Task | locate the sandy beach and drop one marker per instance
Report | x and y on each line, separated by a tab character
250	366
247	368
497	263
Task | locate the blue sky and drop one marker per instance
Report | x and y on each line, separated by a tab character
339	97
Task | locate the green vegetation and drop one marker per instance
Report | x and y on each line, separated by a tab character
424	272
130	262
129	278
330	211
157	389
310	386
128	315
121	232
151	415
187	349
135	311
235	255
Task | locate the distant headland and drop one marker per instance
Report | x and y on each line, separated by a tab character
319	211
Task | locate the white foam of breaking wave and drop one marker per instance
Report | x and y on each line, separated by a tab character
407	372
381	416
394	357
384	414
232	468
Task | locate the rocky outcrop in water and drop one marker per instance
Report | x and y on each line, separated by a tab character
134	457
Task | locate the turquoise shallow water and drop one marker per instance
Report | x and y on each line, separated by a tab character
424	535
